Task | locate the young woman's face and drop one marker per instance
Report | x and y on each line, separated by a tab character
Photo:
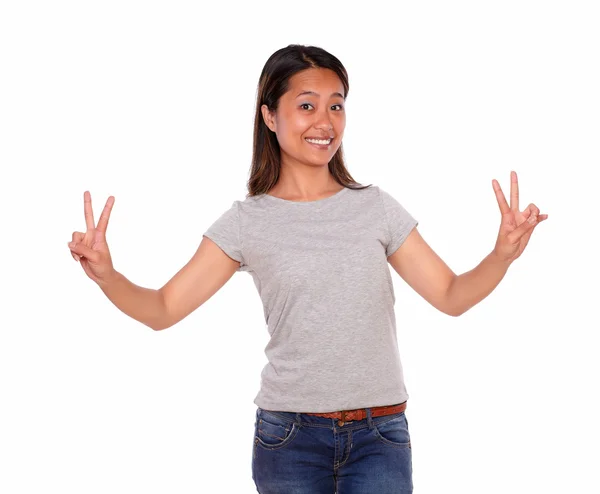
312	108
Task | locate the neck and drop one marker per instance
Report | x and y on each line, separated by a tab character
304	182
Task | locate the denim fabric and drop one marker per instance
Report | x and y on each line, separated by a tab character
296	453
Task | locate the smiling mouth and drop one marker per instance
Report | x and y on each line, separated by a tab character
320	142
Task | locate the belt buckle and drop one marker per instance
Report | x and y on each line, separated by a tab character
343	420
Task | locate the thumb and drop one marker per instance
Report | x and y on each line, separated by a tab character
522	229
85	251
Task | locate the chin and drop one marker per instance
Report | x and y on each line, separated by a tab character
319	160
318	163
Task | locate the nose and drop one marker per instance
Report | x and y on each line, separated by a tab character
324	121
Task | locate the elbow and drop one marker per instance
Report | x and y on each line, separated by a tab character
159	326
448	310
163	320
448	304
453	311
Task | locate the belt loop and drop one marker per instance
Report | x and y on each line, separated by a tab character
369	418
298	419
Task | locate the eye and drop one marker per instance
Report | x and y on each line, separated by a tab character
305	104
341	107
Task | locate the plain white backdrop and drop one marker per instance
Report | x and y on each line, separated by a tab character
153	102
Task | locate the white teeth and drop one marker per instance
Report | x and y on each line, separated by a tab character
319	141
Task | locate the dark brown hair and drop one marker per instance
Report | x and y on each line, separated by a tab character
273	83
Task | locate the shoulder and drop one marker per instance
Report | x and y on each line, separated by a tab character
251	203
369	191
388	198
372	195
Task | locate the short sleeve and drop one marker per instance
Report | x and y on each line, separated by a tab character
398	220
225	232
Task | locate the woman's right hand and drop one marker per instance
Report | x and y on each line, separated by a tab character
90	248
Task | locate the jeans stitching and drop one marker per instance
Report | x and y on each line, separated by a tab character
285	442
387	441
260	431
348	447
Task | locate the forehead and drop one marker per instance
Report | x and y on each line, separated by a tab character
321	81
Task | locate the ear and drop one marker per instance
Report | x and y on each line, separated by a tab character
269	118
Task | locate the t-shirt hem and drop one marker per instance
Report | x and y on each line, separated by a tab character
306	408
395	245
223	246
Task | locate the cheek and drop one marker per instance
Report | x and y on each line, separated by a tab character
291	130
288	140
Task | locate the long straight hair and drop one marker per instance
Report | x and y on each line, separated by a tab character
273	83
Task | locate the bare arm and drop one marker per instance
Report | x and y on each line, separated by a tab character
142	304
206	272
424	271
429	276
472	287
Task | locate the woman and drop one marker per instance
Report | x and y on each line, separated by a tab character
331	409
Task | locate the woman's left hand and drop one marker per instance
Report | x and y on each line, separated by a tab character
516	226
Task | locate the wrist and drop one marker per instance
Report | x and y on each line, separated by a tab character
109	279
495	258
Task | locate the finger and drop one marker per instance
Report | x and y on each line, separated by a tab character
522	229
504	208
529	231
532	208
77	237
538	220
103	221
514	191
83	250
87	210
527	234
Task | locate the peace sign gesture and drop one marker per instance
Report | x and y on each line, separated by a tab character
90	248
516	226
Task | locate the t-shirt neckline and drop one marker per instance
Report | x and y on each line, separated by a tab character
317	201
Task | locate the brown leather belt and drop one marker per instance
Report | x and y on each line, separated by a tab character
346	416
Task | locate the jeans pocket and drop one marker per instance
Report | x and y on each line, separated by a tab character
394	431
273	431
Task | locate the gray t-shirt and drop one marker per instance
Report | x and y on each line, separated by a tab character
322	274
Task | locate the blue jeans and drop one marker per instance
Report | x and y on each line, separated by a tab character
296	453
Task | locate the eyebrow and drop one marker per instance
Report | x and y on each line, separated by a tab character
317	94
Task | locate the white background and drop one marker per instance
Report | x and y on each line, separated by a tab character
153	102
